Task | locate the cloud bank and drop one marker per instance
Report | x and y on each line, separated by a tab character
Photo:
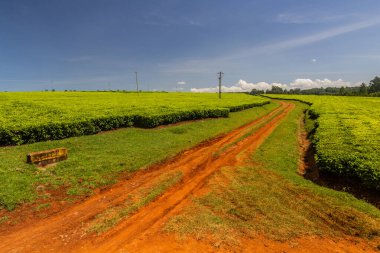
244	86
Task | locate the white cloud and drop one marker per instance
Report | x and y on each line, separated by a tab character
314	60
317	83
244	86
216	89
181	83
241	86
204	90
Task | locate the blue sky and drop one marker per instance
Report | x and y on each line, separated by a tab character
98	44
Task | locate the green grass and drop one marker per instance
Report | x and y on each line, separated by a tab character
43	206
270	198
98	160
347	135
4	219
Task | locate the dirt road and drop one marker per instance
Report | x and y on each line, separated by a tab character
197	167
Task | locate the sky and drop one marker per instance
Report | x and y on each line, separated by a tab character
181	45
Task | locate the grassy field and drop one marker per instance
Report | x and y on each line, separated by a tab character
29	117
347	137
97	160
269	198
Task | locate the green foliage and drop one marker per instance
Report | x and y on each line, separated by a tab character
363	90
29	117
256	92
43	206
276	90
4	219
347	137
374	85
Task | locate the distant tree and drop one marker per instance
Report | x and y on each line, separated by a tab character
375	94
276	90
52	90
256	92
342	91
374	85
331	90
363	90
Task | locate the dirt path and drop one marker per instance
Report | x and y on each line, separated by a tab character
197	170
64	232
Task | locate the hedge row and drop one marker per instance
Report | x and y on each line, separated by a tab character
337	150
349	164
151	121
56	131
246	106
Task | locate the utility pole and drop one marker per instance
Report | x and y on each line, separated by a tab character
220	83
137	83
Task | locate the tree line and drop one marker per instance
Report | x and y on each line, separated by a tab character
372	89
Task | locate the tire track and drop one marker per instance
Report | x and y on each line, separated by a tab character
151	216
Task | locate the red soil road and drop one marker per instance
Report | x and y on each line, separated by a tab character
64	231
201	166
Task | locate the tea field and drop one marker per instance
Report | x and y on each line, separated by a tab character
29	117
347	137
